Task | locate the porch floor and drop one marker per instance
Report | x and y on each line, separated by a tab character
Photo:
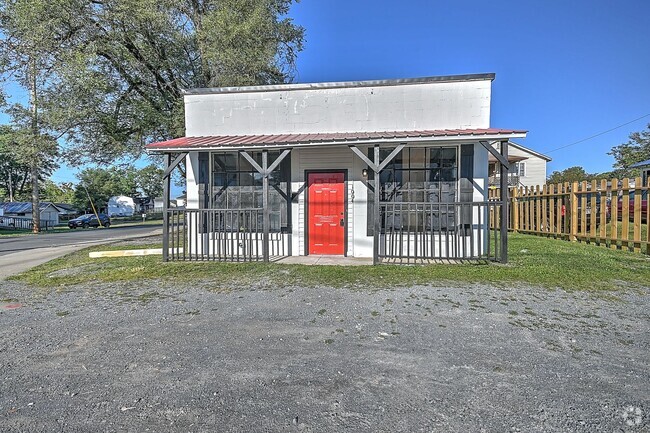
325	260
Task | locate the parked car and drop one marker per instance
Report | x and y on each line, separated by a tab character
588	211
566	208
644	207
89	220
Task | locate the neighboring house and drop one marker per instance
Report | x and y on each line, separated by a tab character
67	211
148	204
644	166
288	170
49	211
121	206
527	167
143	204
180	200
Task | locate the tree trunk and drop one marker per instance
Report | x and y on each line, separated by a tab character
10	186
36	214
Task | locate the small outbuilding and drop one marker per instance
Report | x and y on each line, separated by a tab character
121	206
23	209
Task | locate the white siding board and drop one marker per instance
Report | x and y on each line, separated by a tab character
535	167
436	105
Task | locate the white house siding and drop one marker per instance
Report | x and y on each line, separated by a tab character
434	105
51	215
535	167
48	214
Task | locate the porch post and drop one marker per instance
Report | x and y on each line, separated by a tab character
377	216
265	170
504	202
166	187
377	166
266	223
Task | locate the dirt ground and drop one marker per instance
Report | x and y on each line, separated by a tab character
156	358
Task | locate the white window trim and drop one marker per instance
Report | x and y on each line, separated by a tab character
521	165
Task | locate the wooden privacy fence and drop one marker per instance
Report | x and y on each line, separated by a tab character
610	213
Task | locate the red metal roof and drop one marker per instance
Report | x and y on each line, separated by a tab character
218	141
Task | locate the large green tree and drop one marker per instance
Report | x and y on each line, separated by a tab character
123	79
636	149
58	192
571	174
108	75
99	185
16	167
150	180
33	34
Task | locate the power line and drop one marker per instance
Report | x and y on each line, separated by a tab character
599	134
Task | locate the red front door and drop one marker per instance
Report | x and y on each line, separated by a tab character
326	215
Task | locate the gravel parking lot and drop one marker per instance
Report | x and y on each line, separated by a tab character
188	359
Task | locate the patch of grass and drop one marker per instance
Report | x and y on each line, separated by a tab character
322	312
619	231
329	341
4	232
546	263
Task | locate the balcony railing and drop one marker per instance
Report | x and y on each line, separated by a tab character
495	180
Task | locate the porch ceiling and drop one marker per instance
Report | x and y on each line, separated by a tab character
223	142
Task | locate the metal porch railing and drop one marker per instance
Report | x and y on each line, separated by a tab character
221	235
414	232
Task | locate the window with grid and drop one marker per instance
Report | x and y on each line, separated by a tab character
237	185
416	175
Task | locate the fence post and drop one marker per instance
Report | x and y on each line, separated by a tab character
573	202
625	215
603	212
647	218
637	214
504	203
515	210
538	210
614	211
544	220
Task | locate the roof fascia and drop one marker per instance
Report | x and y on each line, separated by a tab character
341	84
410	141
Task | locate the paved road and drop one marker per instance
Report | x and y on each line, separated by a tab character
17	254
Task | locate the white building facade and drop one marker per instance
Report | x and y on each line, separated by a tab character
295	167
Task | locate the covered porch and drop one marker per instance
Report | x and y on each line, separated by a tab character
264	198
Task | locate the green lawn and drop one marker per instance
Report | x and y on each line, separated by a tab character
64	228
535	261
26	232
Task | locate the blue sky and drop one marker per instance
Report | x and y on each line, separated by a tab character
565	70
